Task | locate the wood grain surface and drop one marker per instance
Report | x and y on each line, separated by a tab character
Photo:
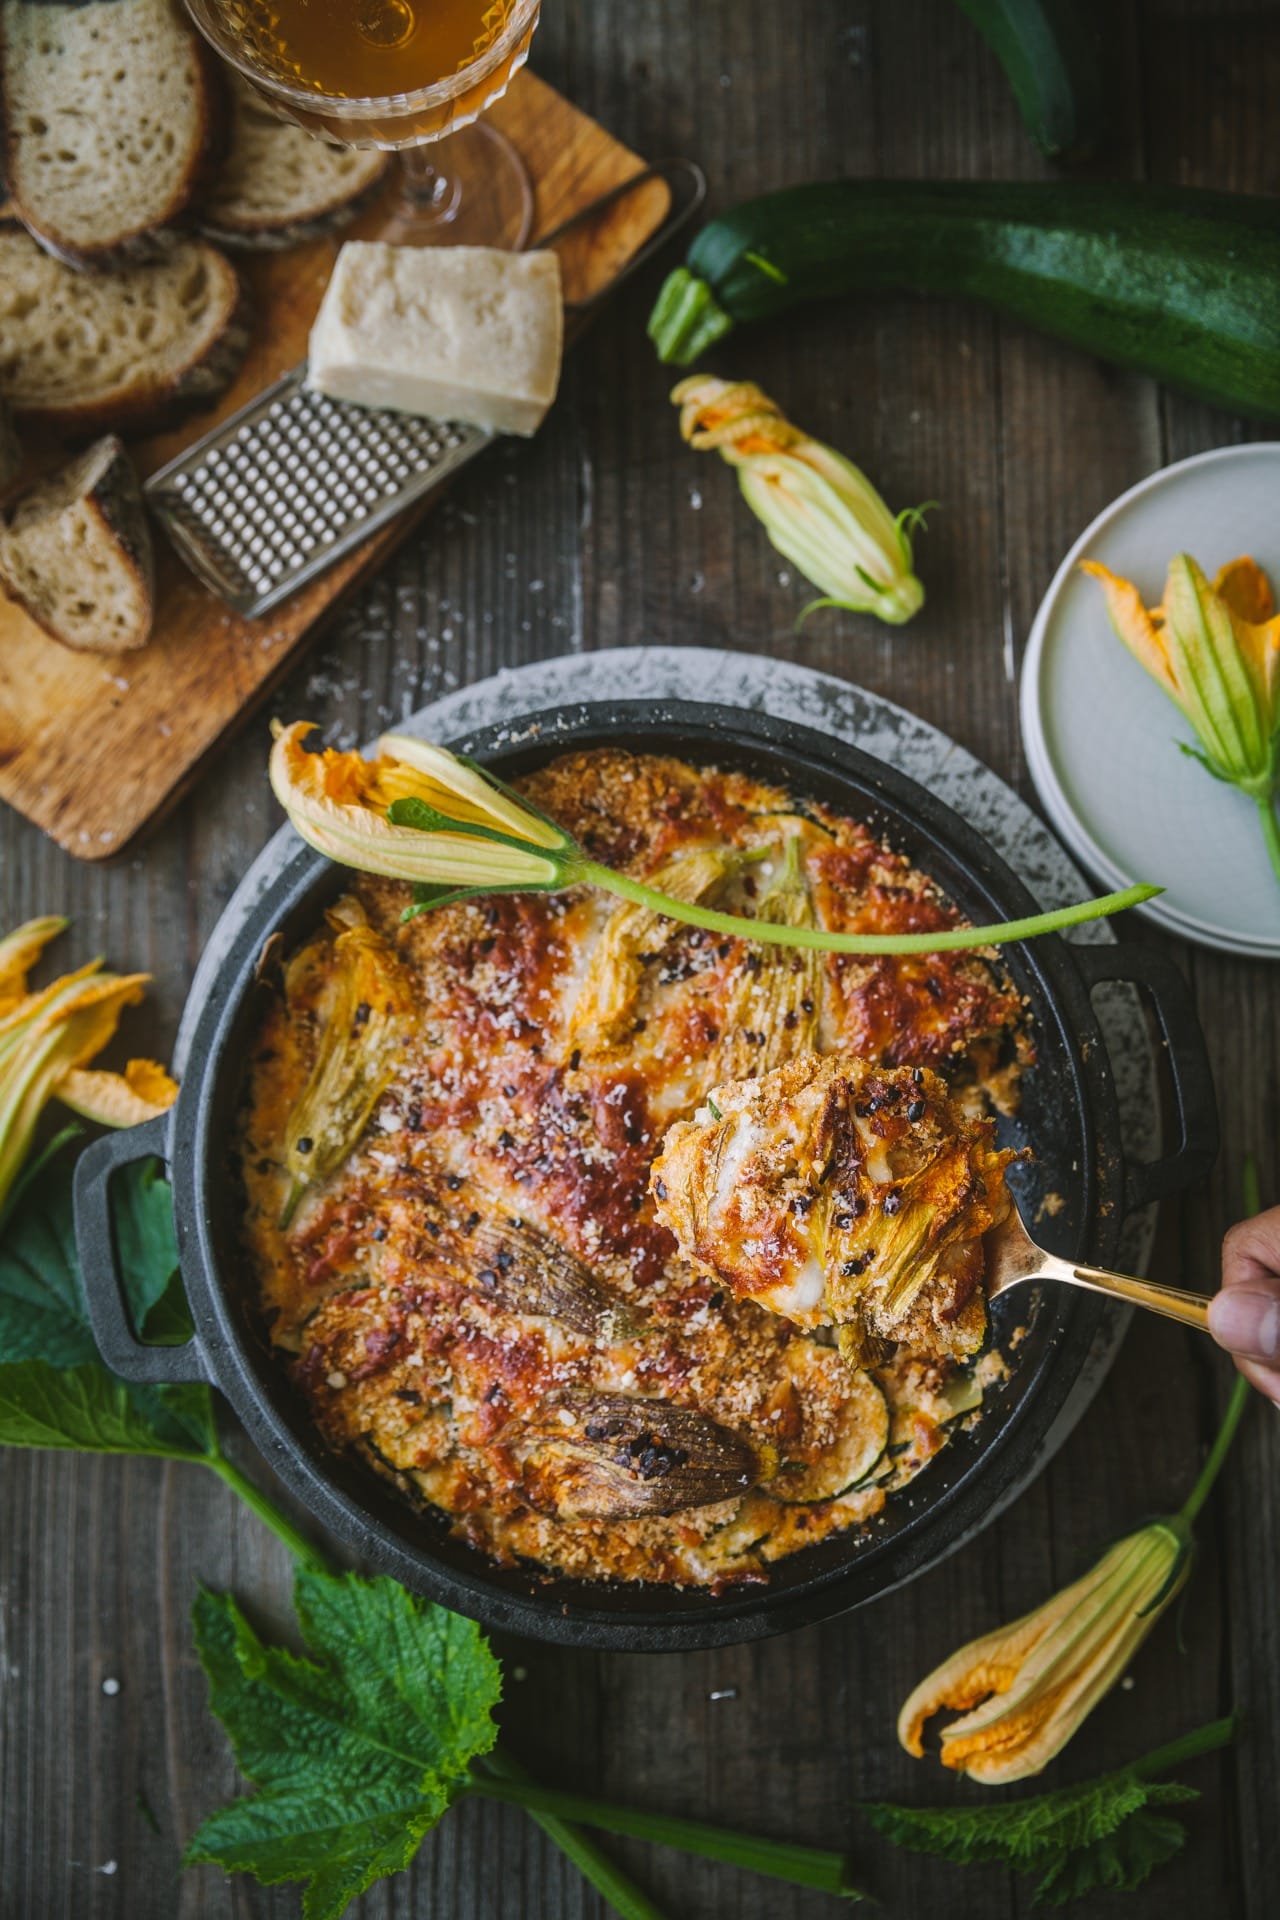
604	531
93	746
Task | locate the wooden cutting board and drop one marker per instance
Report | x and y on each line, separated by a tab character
95	746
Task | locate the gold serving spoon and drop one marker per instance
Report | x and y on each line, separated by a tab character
1013	1259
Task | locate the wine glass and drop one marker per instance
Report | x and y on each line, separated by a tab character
413	75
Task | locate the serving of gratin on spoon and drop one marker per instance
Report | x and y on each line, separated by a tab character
865	1198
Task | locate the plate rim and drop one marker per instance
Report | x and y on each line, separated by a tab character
1039	759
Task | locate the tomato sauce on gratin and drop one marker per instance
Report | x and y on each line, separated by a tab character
478	1297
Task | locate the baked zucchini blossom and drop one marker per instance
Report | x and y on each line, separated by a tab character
1215	650
1023	1690
818	509
419	813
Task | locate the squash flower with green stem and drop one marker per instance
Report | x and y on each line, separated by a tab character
819	510
420	813
1215	650
1024	1689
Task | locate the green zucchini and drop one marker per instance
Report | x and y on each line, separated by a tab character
850	1457
1178	283
1051	52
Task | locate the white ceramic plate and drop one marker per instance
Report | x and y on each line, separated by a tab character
1100	734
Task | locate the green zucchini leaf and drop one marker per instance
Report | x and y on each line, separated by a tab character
87	1410
356	1751
1101	1834
43	1315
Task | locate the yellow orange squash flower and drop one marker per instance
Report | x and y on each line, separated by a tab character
818	509
48	1039
1215	650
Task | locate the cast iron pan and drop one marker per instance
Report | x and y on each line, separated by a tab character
1068	1115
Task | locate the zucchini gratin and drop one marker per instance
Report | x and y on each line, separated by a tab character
449	1133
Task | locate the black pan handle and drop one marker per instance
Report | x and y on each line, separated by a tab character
1188	1057
119	1346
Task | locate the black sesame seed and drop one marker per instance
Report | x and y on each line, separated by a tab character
917	1075
916	1110
845	1219
754	963
506	1139
362	1013
659	1187
487	1277
473	1221
379	1233
807	1004
505	1259
791	1020
725	949
892	1202
453	1181
433	1228
852	1268
305	1144
575	1059
410	1396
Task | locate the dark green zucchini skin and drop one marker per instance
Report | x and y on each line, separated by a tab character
1178	283
1053	56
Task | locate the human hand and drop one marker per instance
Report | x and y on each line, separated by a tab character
1244	1316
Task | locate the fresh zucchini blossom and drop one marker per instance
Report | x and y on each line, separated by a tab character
417	812
1215	650
1025	1689
819	510
1029	1685
47	1040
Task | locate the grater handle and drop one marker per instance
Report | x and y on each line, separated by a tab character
688	187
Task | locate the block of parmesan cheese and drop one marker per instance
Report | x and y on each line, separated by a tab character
456	333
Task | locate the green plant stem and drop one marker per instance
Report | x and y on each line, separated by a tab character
1266	805
284	1530
800	1866
1207	1739
623	1895
948	940
1217	1452
1239	1392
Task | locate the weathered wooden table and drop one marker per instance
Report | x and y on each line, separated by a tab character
604	531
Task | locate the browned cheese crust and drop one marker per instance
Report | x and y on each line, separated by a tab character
480	1297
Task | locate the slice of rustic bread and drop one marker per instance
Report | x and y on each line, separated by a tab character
113	116
279	184
82	352
10	448
75	551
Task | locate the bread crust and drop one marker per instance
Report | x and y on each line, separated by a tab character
115	502
172	222
153	401
257	140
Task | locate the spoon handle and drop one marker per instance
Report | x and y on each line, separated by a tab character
1192	1309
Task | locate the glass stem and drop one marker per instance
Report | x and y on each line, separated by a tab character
430	183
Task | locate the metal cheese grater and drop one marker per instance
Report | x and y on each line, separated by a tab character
294	480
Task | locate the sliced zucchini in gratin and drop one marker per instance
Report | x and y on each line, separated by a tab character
845	1427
